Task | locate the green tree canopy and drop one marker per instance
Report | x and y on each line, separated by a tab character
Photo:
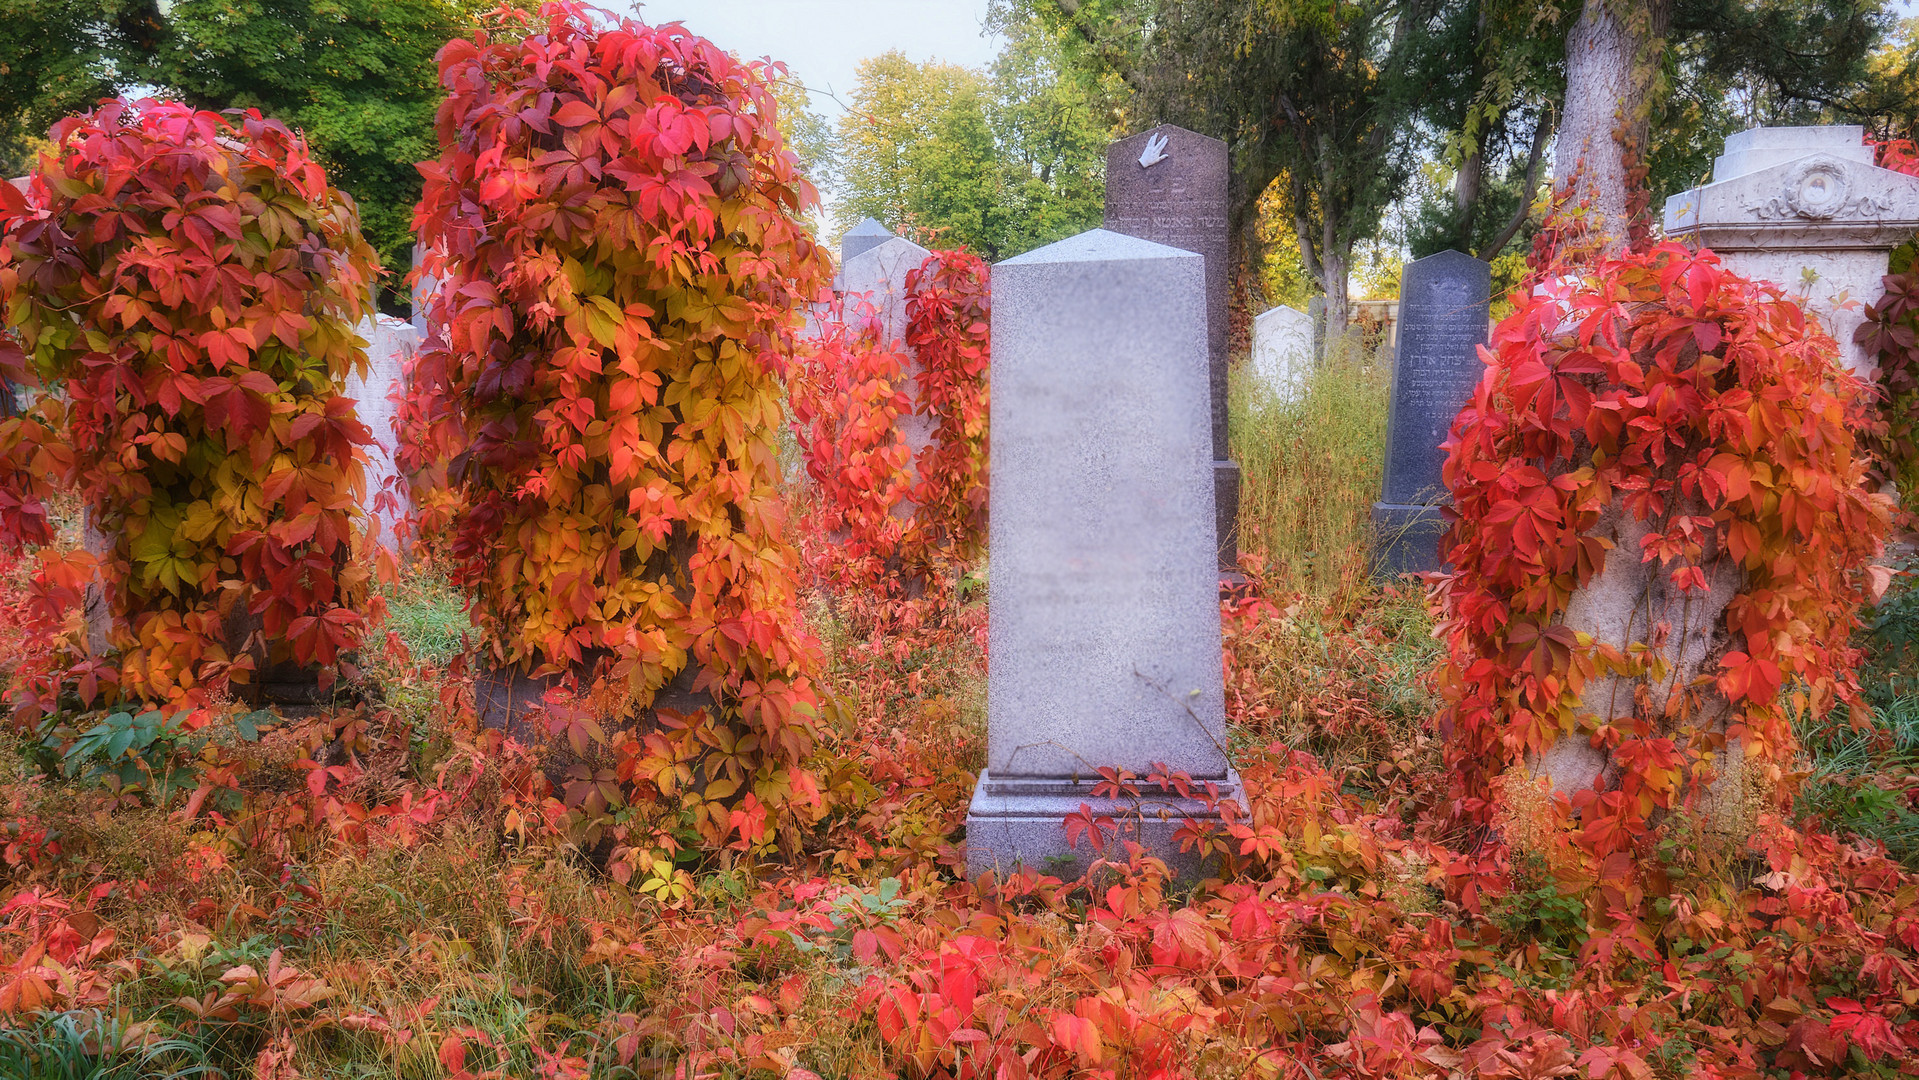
914	150
998	163
59	57
1051	131
357	76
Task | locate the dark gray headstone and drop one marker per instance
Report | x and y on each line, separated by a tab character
1104	593
866	235
1443	302
1168	185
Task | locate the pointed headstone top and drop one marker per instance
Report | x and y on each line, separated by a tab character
1099	245
867	234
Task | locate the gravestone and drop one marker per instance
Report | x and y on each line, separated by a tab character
1283	357
876	276
390	343
1168	185
1804	207
1104	626
866	235
1443	301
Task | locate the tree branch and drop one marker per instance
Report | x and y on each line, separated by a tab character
1541	135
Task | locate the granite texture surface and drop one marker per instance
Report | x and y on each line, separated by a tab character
1105	619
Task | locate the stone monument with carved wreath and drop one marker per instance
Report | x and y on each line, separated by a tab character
1804	207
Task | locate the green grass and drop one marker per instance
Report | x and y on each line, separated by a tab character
1861	781
1310	467
426	612
89	1046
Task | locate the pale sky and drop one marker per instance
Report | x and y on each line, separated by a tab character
823	41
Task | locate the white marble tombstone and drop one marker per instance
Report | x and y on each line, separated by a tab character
1104	592
390	342
1282	351
1804	207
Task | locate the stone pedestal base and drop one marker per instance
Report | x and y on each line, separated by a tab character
1226	514
1022	821
1405	539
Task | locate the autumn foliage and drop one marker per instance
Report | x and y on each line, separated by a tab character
886	514
614	221
1891	336
1703	420
188	283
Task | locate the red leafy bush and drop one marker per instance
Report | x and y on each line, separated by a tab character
614	219
189	284
883	516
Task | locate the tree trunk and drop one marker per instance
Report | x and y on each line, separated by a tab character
1339	318
1466	185
1612	63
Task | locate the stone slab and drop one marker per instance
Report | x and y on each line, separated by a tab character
1105	620
1761	147
1021	822
1169	185
1442	322
1283	353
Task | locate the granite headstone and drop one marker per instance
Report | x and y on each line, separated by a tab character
1443	301
1168	185
866	235
1105	619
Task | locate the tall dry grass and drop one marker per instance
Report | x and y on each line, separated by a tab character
1310	466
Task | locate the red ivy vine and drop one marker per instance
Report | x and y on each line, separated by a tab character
949	327
1662	419
615	221
886	518
189	284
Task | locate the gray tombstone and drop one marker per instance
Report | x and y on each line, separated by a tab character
1807	208
1168	185
867	234
1443	301
877	276
1104	592
390	343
